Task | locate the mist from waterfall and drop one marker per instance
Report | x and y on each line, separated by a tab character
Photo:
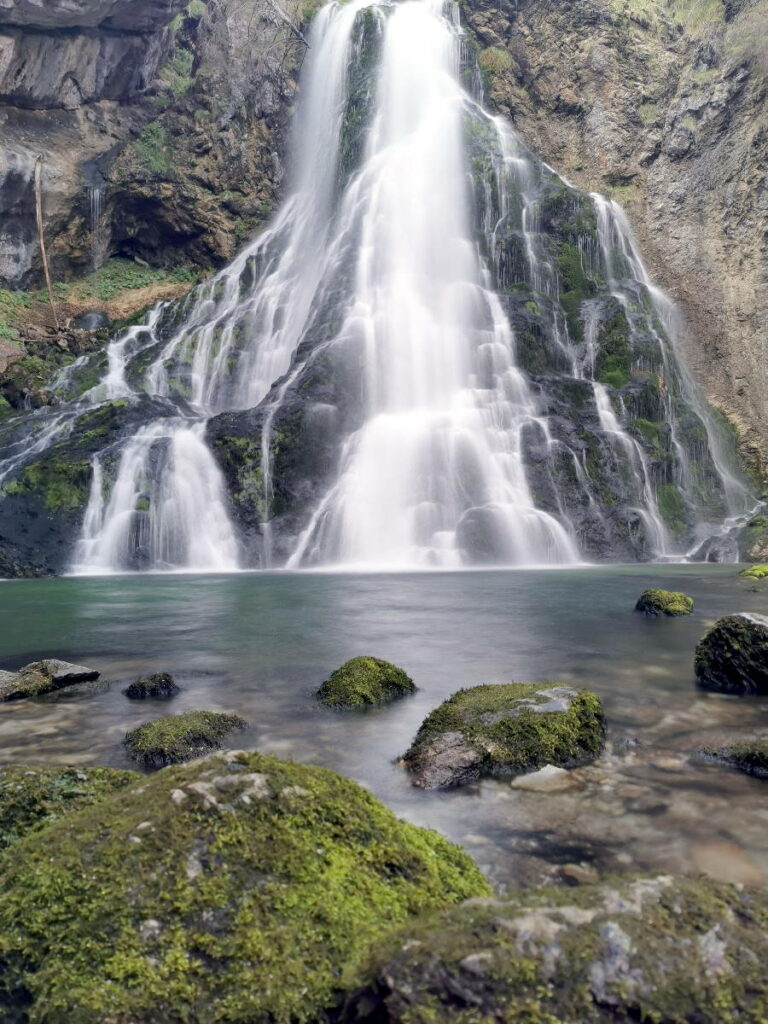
391	247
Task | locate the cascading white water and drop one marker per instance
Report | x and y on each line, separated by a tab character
377	253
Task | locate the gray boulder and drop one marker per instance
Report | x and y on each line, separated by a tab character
41	677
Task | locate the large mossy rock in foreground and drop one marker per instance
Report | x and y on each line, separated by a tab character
733	656
177	738
654	603
364	682
651	949
239	888
505	729
31	797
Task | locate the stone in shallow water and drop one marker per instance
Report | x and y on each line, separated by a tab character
238	888
654	603
655	948
177	738
505	729
364	682
548	779
159	686
749	756
41	677
733	656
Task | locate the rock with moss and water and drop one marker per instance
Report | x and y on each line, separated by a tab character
755	572
238	888
733	656
753	542
682	950
654	603
32	797
159	686
748	756
40	677
364	682
177	738
505	729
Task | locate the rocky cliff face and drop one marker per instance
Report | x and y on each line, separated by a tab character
170	115
664	106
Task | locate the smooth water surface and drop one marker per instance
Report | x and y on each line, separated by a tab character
260	644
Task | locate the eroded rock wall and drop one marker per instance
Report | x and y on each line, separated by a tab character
665	107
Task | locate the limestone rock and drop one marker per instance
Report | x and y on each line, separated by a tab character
246	900
505	729
733	656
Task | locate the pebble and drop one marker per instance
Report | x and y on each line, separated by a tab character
548	779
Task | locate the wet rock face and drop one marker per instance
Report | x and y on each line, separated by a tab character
126	15
240	888
646	949
733	656
506	729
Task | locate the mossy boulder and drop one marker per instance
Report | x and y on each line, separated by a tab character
749	756
177	738
40	677
364	681
505	729
733	656
664	602
31	797
238	888
755	572
159	686
682	950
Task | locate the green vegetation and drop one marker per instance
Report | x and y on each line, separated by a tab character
495	61
31	797
733	656
614	358
238	888
664	602
151	148
755	572
177	738
160	686
62	486
577	285
364	681
750	756
672	509
515	727
12	308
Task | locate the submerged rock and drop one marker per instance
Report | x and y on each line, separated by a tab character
176	738
31	797
733	656
160	686
505	729
41	677
688	950
664	602
749	756
238	888
364	681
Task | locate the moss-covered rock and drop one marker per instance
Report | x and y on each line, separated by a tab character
31	797
685	950
755	572
41	677
176	738
753	540
364	681
733	656
159	686
750	756
664	602
239	888
505	729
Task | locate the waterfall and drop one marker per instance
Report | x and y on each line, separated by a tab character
96	214
496	374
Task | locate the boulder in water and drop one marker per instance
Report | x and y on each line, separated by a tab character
363	682
749	756
237	888
664	602
32	797
41	677
176	738
159	686
505	729
755	572
689	950
733	656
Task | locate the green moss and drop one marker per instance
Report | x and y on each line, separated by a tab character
364	681
649	949
177	738
613	363
649	431
755	572
494	60
32	797
664	602
241	459
750	756
732	657
151	148
62	486
239	888
121	275
577	285
12	307
160	686
672	509
510	730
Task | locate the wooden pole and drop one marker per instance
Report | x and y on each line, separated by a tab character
41	233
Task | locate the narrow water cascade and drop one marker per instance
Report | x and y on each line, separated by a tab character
439	353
